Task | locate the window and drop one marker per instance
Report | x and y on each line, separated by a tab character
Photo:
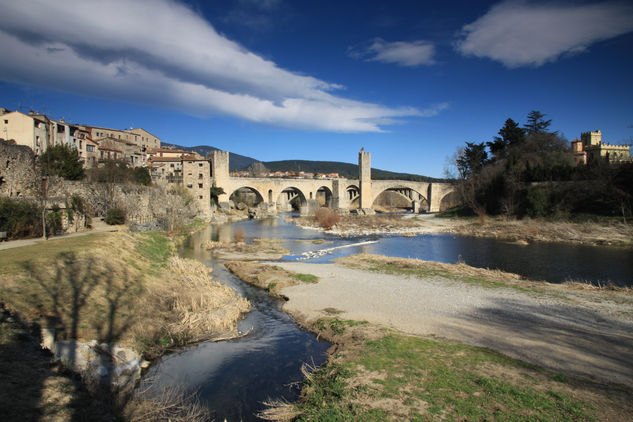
199	164
200	185
90	148
37	141
200	176
6	122
171	165
189	185
200	197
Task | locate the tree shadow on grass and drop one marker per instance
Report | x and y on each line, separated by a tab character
570	339
87	298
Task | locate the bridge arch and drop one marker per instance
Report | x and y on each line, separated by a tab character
290	198
400	197
324	196
411	191
449	200
352	192
248	195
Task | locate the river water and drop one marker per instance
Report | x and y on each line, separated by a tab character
235	377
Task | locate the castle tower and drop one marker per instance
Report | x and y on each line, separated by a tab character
364	179
220	172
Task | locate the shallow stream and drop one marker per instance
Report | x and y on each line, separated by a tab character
235	377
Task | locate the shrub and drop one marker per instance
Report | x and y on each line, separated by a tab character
54	221
239	235
327	217
537	202
20	218
115	216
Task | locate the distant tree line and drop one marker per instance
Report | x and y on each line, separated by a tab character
530	171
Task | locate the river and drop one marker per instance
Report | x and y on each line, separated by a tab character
235	377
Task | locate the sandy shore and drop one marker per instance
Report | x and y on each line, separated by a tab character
587	334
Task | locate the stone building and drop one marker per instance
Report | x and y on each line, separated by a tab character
590	149
26	129
196	176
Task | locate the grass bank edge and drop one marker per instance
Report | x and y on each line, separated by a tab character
146	256
377	374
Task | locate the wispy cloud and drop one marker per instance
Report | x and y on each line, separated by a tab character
522	33
403	53
161	52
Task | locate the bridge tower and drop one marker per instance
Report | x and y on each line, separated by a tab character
220	173
364	179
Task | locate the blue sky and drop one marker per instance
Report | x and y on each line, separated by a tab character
410	81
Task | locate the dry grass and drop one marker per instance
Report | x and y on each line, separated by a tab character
617	234
173	404
327	217
482	276
239	235
120	289
346	223
201	307
269	277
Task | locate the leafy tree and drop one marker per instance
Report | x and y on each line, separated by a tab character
511	135
471	159
536	124
20	218
215	193
115	216
141	176
63	161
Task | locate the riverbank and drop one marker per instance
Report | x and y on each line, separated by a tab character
516	231
370	306
121	288
528	230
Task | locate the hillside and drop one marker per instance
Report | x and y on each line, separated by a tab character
236	161
350	171
347	170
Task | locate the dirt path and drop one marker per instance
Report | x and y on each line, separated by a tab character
560	331
97	227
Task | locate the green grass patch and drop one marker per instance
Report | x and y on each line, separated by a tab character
271	286
433	380
338	326
156	247
306	278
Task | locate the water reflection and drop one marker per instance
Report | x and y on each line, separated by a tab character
541	261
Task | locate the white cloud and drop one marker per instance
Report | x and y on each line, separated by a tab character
160	52
521	33
410	54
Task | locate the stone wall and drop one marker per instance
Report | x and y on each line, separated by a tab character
19	171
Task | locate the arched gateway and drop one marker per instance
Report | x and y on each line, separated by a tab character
199	176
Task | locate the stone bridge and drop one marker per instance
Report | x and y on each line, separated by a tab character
307	194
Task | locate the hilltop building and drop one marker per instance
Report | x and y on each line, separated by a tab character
94	144
590	149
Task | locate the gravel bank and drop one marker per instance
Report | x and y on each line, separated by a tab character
562	332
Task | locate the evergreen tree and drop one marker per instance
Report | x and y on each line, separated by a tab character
471	159
63	161
511	135
536	124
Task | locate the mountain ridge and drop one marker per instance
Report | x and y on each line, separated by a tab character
347	170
